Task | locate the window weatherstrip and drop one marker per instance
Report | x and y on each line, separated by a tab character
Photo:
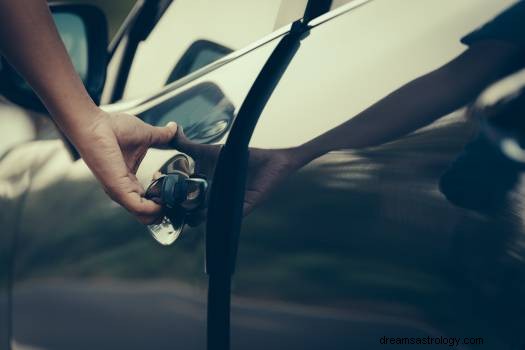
228	189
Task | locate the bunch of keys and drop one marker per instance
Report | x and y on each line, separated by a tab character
181	194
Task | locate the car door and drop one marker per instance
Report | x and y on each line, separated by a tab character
86	274
361	245
194	33
189	35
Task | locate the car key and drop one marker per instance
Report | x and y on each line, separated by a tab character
181	193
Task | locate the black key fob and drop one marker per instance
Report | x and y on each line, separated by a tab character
181	193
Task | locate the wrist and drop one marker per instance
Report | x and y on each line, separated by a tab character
308	152
299	156
81	126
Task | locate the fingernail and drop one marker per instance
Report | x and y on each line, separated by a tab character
171	125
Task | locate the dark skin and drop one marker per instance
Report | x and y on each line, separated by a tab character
414	105
267	168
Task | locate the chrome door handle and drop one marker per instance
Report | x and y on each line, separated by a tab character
181	193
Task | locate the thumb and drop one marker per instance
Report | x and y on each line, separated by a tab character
161	136
181	141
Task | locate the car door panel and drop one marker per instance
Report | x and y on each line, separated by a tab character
361	244
354	246
86	269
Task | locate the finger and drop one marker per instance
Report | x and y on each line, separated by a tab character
156	176
144	209
162	136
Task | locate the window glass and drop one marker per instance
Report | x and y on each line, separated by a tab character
115	11
356	59
232	24
203	111
206	107
73	34
200	53
336	3
292	10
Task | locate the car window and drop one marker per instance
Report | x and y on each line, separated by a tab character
345	66
73	34
192	34
203	111
230	24
198	55
292	10
206	107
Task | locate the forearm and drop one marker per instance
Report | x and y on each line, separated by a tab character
419	102
31	43
414	105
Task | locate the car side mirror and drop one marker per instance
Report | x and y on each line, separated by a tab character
198	55
203	111
83	29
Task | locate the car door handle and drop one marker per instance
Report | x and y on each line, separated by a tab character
181	193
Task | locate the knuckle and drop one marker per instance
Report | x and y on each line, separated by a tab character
136	210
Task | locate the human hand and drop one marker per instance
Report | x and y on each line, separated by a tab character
267	168
113	146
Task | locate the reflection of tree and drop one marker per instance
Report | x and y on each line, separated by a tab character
485	256
69	228
364	228
370	227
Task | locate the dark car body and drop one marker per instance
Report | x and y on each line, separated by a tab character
356	246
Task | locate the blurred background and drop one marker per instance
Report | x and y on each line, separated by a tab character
115	10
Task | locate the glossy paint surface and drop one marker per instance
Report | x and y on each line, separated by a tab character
355	246
362	244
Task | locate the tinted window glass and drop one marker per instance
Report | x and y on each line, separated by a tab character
231	24
74	36
206	107
198	55
203	111
346	65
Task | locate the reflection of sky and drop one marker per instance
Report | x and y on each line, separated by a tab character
73	33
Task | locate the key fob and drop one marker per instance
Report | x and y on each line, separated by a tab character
181	193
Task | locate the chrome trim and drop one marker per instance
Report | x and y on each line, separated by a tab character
141	104
337	12
130	18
